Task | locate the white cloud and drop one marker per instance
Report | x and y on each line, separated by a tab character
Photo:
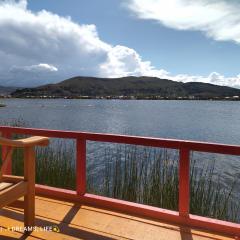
213	78
125	60
66	48
31	74
218	19
41	67
42	47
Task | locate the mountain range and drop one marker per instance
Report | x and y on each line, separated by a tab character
5	91
139	87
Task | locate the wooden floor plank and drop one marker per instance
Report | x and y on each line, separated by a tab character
10	218
4	185
77	221
5	234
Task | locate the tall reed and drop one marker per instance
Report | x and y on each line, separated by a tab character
137	174
150	176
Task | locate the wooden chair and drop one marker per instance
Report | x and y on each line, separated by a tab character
14	187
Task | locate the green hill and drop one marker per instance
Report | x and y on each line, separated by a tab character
4	91
140	87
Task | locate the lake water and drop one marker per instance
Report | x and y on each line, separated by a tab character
213	121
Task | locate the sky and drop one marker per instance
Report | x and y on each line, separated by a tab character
183	40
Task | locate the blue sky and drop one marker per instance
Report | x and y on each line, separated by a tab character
181	40
177	51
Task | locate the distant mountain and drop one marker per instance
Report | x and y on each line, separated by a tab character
140	87
4	91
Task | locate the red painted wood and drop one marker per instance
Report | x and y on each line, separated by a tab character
184	183
144	141
170	216
181	217
81	167
54	192
163	214
5	149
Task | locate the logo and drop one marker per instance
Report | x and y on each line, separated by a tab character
55	228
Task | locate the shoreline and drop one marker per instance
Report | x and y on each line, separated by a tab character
126	98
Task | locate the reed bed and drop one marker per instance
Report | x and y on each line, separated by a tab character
138	174
54	166
150	176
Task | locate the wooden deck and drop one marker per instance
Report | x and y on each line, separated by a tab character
77	221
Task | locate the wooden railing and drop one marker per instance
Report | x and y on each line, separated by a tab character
183	216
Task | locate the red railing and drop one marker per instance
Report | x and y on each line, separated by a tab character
183	216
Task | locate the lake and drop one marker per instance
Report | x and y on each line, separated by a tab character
213	121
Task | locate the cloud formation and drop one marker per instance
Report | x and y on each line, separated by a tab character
47	47
218	19
42	47
41	67
213	78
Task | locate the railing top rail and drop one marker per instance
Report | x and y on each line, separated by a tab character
125	139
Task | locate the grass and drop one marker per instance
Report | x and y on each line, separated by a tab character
137	174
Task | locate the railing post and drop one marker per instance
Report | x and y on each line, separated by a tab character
81	167
184	182
5	150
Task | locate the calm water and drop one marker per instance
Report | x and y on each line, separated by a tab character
193	120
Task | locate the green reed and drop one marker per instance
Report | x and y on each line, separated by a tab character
138	174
